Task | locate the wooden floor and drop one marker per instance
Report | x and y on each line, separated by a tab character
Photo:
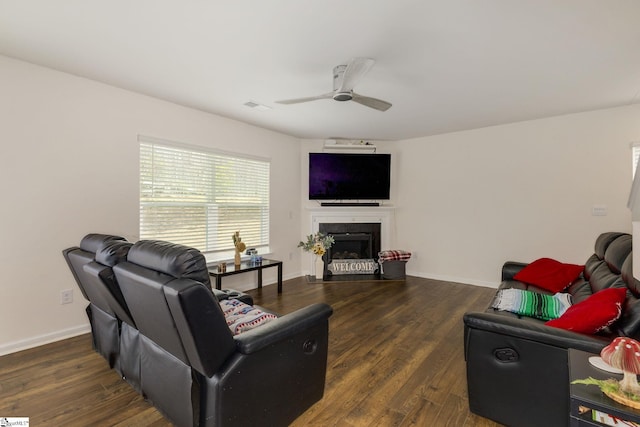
395	359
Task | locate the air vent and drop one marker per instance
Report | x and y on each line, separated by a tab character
257	106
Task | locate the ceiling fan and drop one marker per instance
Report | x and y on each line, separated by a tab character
345	78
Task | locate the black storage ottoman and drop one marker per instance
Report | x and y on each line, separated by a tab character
393	264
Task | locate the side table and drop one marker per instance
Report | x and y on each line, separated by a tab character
246	267
584	399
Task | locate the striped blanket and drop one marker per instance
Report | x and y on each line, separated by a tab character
393	256
532	304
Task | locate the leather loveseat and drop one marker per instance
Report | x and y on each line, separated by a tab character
517	366
161	326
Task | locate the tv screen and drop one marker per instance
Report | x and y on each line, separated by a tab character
345	176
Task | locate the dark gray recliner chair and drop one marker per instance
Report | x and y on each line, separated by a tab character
194	370
101	280
104	323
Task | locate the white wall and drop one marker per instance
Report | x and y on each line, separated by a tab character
69	156
469	201
465	202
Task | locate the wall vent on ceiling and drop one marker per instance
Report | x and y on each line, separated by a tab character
257	106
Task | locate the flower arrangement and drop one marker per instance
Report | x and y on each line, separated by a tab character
317	243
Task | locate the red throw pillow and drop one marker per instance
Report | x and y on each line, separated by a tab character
549	274
593	314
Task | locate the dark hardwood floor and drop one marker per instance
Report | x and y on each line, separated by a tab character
395	359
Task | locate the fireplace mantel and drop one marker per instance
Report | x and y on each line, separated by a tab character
385	215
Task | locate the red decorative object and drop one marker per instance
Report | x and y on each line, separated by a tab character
549	274
593	314
624	353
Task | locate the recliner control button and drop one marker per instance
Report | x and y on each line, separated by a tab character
506	354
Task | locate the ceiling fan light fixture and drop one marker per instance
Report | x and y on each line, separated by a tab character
343	96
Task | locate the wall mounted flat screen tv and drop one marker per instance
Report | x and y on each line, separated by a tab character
346	176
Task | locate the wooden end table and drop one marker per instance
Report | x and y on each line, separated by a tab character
246	267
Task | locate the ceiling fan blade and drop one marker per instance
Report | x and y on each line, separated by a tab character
377	104
310	98
356	69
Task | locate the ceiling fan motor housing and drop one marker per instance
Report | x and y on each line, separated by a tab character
342	96
338	78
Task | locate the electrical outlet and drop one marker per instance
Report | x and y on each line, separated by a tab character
599	210
66	296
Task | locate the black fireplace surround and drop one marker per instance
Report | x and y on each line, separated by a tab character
352	240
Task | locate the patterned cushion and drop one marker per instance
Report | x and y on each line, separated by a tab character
242	317
532	304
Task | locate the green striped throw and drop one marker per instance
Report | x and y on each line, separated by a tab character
532	304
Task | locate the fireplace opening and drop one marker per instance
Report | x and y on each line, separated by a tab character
351	246
361	238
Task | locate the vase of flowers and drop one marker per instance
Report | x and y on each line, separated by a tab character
317	244
239	246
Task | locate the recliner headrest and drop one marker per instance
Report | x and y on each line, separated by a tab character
112	252
627	276
617	252
603	241
179	261
93	241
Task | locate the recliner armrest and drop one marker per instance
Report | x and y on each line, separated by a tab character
282	328
219	294
534	331
511	268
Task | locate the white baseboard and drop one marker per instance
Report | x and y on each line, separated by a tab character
39	340
464	280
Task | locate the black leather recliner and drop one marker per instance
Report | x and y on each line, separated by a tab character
104	323
194	370
102	281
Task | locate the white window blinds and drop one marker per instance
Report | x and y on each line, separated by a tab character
199	198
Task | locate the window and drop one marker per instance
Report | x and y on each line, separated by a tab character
199	198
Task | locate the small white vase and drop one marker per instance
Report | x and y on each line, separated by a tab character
319	267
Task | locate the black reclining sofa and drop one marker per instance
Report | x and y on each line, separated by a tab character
517	371
173	344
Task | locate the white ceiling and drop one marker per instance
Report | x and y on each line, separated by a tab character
445	65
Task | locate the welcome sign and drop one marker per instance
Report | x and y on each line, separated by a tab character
353	266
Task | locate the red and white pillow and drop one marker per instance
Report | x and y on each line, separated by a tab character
593	314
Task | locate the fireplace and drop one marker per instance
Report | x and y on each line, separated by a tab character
353	241
349	222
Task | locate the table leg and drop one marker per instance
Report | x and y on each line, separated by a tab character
280	278
260	278
218	282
